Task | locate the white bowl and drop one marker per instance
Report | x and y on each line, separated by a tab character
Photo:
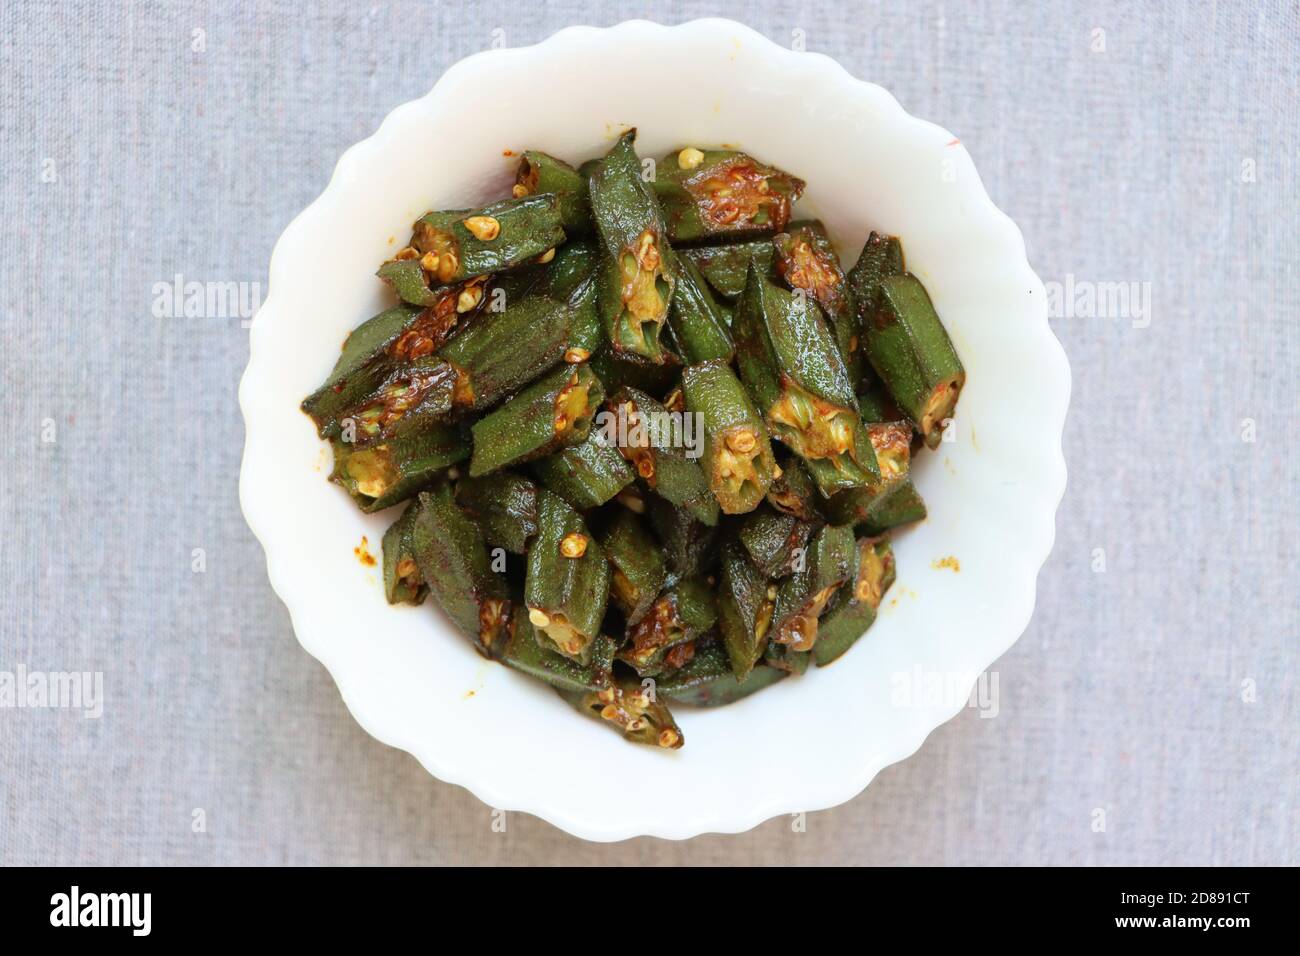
807	743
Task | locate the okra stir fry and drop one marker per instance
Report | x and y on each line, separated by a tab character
651	437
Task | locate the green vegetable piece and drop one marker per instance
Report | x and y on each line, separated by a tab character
877	405
737	457
794	492
507	348
462	243
678	616
552	413
571	278
725	267
912	354
585	475
637	563
412	399
453	560
402	581
774	540
891	442
722	193
700	326
707	681
656	443
525	653
783	658
505	507
830	560
638	274
567	584
541	173
371	353
897	506
379	476
617	370
790	364
881	257
806	260
687	543
746	601
855	605
633	710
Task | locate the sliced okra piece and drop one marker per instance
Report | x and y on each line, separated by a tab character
552	413
525	653
403	583
687	543
571	278
912	354
892	443
505	507
790	364
830	560
637	564
774	540
746	601
722	192
586	474
784	658
616	370
806	260
881	257
462	243
708	680
655	442
793	491
725	266
700	326
737	457
638	272
391	338
541	173
633	710
413	398
503	350
567	584
379	476
876	404
855	605
586	334
899	505
678	616
453	560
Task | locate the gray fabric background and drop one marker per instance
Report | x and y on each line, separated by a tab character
1162	691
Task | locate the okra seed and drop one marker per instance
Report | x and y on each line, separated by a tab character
519	190
561	422
575	355
429	263
574	545
547	256
606	695
776	472
635	724
609	712
538	617
469	298
407	252
668	737
741	442
689	158
484	228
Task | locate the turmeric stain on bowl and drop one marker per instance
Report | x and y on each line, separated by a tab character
362	551
949	563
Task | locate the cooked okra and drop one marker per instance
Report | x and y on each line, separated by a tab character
568	580
577	405
722	192
638	274
551	413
